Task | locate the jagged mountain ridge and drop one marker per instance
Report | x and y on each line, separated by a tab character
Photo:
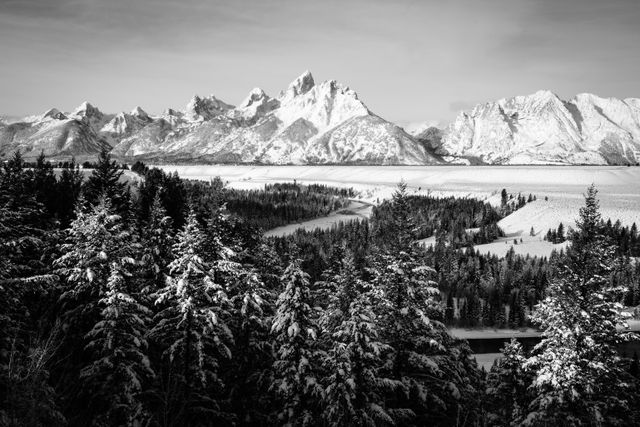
311	123
543	129
307	123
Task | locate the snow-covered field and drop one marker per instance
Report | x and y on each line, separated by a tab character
563	186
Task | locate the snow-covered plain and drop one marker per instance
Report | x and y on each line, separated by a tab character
563	186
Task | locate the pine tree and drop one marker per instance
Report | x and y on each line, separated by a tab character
26	397
449	313
191	330
295	333
43	184
578	378
507	387
504	199
354	394
105	181
253	350
95	241
157	242
560	234
120	370
431	373
67	193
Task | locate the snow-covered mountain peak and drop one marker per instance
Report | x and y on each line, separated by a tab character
139	113
325	105
171	112
53	113
416	128
255	105
87	110
256	95
301	85
205	108
542	99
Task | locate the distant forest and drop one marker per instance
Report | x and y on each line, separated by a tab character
159	302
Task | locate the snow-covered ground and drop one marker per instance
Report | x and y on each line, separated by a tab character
563	186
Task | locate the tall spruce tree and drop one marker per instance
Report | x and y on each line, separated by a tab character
191	328
435	382
26	398
43	184
119	370
578	378
249	373
354	391
294	330
506	388
67	194
95	241
105	180
157	241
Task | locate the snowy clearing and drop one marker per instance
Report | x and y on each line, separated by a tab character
563	186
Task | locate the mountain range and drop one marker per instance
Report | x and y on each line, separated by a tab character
327	123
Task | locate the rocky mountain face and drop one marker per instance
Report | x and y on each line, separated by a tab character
543	129
307	123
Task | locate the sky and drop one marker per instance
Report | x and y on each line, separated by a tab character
409	61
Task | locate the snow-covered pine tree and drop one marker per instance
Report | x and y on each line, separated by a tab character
26	397
105	181
119	369
435	381
22	223
217	249
191	330
68	191
506	388
295	333
43	184
354	392
95	241
157	243
249	373
578	377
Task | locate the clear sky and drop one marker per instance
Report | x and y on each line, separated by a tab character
408	60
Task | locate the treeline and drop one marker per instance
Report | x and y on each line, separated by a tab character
557	235
68	164
510	203
451	214
626	238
